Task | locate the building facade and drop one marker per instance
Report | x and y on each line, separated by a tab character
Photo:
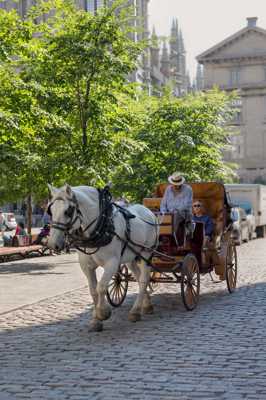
239	63
168	64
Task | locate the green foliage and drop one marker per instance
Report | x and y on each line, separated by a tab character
59	83
68	112
186	135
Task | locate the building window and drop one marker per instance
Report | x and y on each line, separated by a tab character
235	77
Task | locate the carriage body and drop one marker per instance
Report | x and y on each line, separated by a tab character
182	260
213	197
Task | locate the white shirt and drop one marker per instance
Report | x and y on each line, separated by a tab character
181	200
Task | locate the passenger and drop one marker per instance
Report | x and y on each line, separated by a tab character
177	199
199	216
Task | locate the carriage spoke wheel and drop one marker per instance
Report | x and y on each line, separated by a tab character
190	282
117	288
231	267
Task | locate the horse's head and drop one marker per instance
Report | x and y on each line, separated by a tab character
65	214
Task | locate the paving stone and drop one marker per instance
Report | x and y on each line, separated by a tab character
216	352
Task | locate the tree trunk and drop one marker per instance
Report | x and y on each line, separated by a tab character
29	214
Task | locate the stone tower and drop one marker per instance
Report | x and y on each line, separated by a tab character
165	61
155	49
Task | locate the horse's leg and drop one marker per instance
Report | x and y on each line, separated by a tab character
103	311
144	278
147	307
89	269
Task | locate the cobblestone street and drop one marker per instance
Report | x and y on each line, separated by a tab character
214	352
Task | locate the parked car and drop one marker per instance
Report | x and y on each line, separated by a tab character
10	221
240	225
256	195
246	205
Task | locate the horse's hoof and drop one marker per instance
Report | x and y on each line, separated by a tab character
148	309
103	313
134	317
95	326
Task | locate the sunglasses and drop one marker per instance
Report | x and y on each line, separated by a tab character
197	205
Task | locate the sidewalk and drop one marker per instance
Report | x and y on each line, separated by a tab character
28	281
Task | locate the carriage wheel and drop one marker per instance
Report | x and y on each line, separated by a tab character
231	267
117	288
190	282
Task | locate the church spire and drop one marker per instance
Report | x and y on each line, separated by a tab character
155	49
165	62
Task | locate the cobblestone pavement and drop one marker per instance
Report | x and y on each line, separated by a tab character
214	352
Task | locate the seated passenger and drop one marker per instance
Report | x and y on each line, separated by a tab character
199	216
177	199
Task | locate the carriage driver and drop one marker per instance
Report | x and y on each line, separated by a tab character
177	199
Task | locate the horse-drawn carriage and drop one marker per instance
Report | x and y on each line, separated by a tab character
182	260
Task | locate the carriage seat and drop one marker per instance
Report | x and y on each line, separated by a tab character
153	203
214	209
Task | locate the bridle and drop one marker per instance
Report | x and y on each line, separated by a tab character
103	231
70	212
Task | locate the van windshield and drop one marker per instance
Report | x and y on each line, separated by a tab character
245	205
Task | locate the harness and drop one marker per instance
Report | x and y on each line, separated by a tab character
103	232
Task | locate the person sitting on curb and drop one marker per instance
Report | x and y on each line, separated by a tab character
43	235
20	230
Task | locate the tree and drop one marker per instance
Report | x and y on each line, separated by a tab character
82	63
187	135
59	84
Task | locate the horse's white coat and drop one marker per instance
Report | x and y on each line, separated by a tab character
108	257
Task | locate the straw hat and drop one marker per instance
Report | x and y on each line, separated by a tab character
176	179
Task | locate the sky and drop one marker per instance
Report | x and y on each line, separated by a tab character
204	23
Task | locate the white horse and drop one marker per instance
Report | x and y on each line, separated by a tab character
83	214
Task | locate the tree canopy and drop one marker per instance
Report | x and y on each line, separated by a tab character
59	81
68	111
186	134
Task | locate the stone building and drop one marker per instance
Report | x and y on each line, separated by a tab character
239	63
168	65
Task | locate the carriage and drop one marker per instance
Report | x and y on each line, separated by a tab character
182	260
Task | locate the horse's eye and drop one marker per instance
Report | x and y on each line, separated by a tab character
69	211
